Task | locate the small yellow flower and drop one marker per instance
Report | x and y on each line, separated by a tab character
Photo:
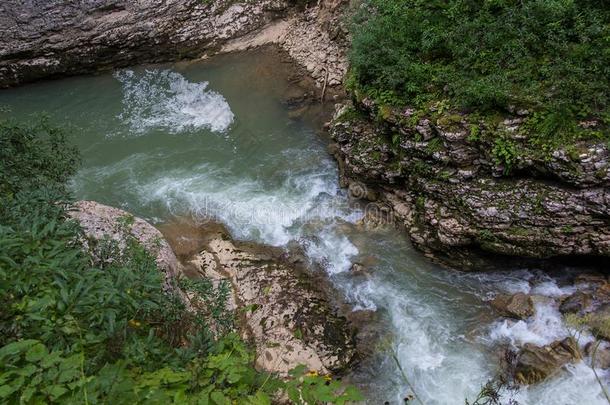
134	323
328	377
312	373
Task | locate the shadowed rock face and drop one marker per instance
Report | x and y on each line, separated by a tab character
43	38
459	204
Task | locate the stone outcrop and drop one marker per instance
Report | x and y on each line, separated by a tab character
285	310
458	201
599	353
535	363
577	303
41	39
317	41
316	38
281	307
518	306
591	303
100	221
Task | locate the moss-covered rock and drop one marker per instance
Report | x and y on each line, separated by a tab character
541	208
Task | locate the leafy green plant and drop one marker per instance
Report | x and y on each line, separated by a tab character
505	153
434	145
311	388
547	56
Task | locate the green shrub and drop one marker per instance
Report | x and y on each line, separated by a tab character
34	155
505	153
550	56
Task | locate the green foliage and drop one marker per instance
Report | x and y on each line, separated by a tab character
486	235
434	145
32	374
34	156
35	162
505	153
102	325
312	388
550	56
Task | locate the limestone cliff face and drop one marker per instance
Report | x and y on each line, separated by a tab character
457	200
52	38
43	38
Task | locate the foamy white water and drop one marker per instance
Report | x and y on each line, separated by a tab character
545	327
165	99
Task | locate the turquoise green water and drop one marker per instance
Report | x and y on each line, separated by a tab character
159	142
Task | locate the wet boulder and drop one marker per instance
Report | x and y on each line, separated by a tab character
599	353
359	270
576	303
518	306
601	295
535	363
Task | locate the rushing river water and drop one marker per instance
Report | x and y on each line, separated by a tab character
214	139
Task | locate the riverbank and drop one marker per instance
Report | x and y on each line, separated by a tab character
281	309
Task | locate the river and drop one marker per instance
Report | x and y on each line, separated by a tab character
217	139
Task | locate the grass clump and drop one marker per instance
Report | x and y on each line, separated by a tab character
551	57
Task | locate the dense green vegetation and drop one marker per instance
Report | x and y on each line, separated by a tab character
78	328
551	57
